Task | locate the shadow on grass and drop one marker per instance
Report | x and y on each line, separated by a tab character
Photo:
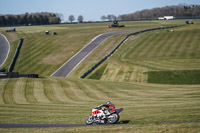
124	122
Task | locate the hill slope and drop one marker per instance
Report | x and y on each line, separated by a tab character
178	11
154	51
60	100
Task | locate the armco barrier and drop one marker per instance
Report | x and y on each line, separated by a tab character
17	75
12	64
112	52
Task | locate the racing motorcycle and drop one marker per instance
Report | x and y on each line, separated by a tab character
110	117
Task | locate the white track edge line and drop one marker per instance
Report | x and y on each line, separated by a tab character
8	49
76	54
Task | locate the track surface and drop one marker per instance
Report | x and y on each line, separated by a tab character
79	125
71	64
4	49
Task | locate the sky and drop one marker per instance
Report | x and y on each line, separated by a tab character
91	10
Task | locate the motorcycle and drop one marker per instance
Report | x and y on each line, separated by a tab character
110	117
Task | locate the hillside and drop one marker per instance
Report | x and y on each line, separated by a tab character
60	100
162	50
48	52
44	54
178	11
123	79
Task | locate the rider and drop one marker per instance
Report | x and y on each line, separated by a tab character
109	106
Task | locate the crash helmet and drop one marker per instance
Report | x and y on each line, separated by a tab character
108	102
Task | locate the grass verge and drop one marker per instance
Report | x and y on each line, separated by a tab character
97	75
174	77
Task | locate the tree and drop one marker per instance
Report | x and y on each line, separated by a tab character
103	18
60	16
111	17
179	11
33	19
2	20
80	19
71	18
54	20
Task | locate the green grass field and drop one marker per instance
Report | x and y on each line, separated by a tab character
69	101
174	77
48	53
163	50
123	78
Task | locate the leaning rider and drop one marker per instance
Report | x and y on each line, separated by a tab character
109	106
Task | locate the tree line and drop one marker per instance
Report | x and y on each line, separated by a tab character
30	19
179	11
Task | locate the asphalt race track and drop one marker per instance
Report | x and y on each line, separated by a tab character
80	125
39	125
4	49
71	64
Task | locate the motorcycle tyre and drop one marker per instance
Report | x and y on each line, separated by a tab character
115	121
87	122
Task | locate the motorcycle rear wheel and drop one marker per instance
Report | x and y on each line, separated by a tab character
89	120
112	119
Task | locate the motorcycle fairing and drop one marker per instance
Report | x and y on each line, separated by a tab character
118	110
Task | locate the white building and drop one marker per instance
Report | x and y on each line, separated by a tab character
166	18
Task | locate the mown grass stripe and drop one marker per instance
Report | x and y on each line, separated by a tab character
93	92
59	91
70	94
78	91
150	46
183	49
177	44
19	92
3	83
49	91
136	45
29	91
194	47
99	91
193	50
8	92
107	92
163	46
145	45
31	54
87	90
39	92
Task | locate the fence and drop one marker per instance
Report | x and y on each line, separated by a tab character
113	51
17	75
12	64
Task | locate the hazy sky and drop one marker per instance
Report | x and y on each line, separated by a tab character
90	9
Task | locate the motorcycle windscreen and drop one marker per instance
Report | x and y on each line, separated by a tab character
119	110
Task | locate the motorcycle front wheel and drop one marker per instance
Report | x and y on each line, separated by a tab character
89	120
112	119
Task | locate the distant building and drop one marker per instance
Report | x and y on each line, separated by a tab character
161	18
166	18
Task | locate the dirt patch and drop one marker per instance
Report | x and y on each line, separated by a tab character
55	59
12	37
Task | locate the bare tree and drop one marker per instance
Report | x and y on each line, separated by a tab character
60	15
111	17
71	18
103	18
80	19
